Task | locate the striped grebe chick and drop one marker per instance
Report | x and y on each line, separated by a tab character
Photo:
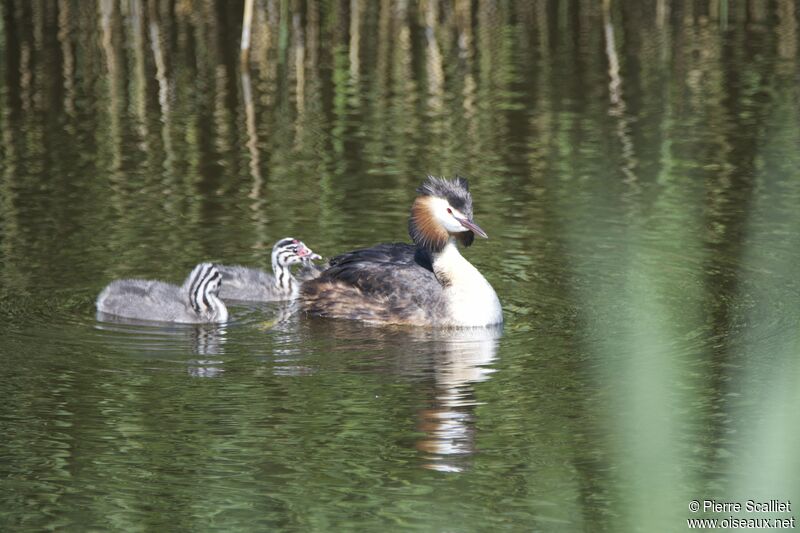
428	283
196	301
252	284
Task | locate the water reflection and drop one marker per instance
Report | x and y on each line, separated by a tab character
461	358
445	365
153	340
442	367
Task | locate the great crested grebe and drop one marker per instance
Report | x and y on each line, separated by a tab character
252	284
428	283
196	301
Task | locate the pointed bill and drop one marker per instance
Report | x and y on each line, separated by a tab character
473	227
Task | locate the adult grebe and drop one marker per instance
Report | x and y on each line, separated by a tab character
251	284
428	283
196	301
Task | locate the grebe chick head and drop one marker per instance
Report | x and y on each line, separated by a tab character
443	210
289	251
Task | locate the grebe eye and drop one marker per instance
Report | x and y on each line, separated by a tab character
449	211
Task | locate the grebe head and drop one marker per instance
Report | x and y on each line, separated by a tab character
289	251
443	210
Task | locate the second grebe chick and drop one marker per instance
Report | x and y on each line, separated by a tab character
428	283
254	285
195	302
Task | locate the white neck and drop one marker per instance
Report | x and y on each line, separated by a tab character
471	301
284	280
218	309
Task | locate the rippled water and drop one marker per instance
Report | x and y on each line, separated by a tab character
636	171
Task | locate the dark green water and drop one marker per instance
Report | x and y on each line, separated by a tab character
637	172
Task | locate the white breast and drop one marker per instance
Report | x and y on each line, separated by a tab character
471	301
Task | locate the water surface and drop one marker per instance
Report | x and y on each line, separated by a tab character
636	170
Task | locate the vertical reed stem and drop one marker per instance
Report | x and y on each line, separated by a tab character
246	24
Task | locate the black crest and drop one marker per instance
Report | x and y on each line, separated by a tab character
455	191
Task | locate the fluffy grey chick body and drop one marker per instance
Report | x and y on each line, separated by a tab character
195	302
255	285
